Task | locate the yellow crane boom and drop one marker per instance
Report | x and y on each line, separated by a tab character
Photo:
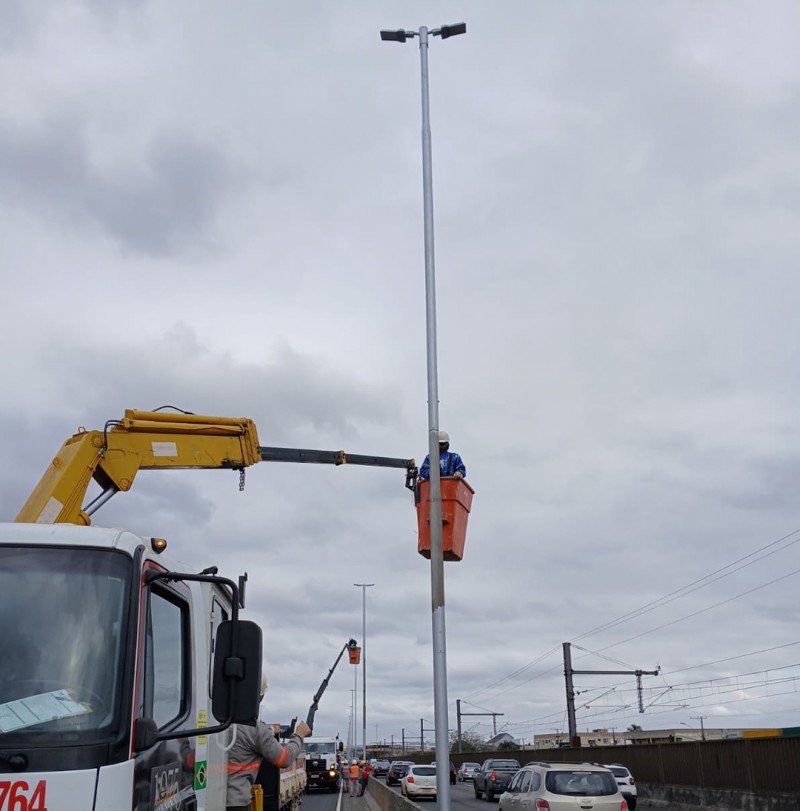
149	440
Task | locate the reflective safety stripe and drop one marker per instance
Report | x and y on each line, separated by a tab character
283	757
237	768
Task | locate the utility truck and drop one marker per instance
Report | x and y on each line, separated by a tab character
121	672
322	764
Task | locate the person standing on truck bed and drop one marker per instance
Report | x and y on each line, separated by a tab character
450	464
250	746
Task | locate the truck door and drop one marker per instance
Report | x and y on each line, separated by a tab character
164	774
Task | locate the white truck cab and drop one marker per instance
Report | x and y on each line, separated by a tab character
118	673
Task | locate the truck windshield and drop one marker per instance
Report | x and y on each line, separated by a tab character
312	748
63	620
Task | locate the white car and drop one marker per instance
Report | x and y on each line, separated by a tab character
466	771
419	781
626	783
563	787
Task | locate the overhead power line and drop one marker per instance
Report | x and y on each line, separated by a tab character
750	559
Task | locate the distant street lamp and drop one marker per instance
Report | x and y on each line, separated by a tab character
437	559
364	587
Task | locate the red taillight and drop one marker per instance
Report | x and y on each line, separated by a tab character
494	777
410	778
543	804
623	806
633	783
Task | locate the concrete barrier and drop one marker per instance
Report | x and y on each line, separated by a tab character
381	798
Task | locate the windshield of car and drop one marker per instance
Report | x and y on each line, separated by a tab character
581	783
63	617
504	764
423	771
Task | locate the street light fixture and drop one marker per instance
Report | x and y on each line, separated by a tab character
364	587
437	560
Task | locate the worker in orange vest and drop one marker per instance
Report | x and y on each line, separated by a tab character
366	770
354	773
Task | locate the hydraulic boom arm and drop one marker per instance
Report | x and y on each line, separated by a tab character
148	440
312	711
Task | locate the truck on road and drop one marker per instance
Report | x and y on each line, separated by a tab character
121	673
494	777
322	762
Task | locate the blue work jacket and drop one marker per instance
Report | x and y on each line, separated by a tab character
449	464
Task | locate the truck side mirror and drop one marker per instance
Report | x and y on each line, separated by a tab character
145	734
341	746
236	688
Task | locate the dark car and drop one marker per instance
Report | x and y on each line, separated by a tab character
380	768
397	771
494	777
453	772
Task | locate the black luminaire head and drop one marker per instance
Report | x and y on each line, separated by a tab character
453	30
393	36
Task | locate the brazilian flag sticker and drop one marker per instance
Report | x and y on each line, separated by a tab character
200	775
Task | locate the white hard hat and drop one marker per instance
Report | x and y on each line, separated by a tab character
264	684
444	437
354	762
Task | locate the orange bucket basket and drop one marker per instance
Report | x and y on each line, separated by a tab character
456	504
355	655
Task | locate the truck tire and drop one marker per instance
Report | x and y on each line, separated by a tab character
489	795
477	793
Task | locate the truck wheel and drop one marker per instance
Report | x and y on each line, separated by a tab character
489	795
477	793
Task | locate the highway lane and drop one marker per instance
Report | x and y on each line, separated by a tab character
462	798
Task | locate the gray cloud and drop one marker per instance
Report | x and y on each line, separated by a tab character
165	206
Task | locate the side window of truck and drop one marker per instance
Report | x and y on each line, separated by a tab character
219	613
166	671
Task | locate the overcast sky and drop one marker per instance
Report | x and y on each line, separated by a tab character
219	207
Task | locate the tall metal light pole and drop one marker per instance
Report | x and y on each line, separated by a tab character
437	559
364	587
351	740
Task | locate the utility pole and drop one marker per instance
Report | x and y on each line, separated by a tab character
439	641
568	674
701	718
422	732
459	714
364	587
403	745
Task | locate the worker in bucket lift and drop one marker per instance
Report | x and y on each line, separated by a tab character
450	463
250	745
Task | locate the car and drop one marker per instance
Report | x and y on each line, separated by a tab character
419	781
397	771
452	772
380	767
626	783
493	777
563	787
466	771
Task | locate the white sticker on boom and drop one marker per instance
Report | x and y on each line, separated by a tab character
50	512
165	449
